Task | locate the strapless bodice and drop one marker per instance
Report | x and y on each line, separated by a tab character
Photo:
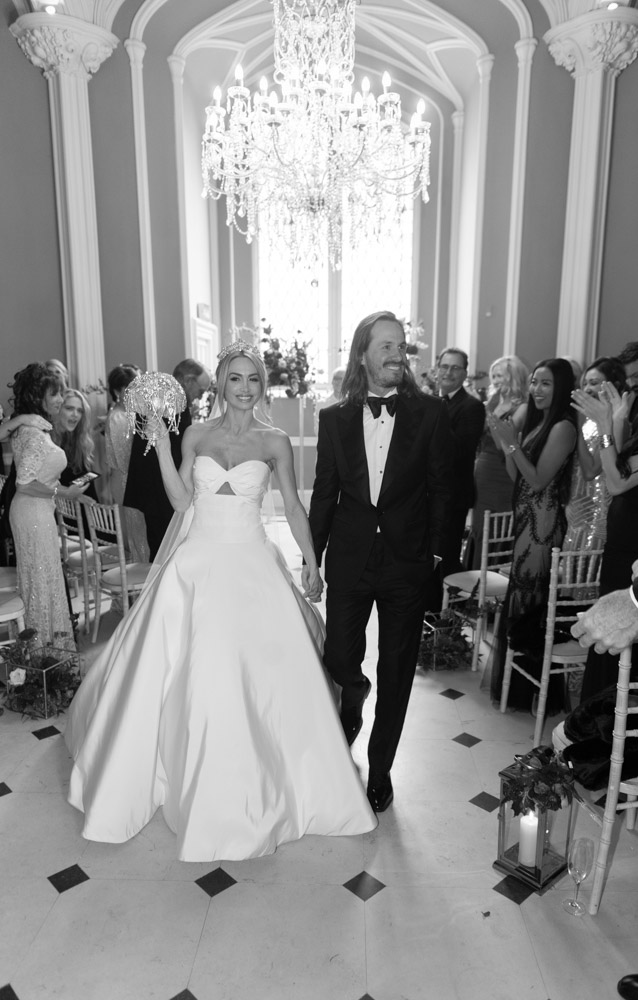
228	517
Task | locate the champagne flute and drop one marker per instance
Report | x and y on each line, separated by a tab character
579	864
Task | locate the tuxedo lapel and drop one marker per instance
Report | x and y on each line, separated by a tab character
350	425
403	434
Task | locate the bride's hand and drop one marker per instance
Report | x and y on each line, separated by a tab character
155	429
312	583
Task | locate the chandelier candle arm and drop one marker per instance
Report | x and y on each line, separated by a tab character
315	164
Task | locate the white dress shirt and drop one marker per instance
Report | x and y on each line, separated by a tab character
377	434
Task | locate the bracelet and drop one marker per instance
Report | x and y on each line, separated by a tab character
511	448
606	440
55	491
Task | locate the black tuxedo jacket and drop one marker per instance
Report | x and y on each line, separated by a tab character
415	493
467	420
144	484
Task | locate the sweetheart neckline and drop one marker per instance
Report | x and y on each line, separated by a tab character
247	462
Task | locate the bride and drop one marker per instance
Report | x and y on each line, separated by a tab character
210	698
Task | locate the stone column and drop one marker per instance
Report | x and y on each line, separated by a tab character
69	51
594	48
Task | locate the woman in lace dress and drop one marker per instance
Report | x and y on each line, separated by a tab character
540	465
119	440
39	463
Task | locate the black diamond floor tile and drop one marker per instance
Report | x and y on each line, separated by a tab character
485	801
452	693
184	995
4	789
366	996
514	890
364	886
215	882
43	734
8	993
466	740
68	878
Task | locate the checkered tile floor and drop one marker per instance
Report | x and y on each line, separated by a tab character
413	910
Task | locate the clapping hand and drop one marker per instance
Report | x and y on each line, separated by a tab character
503	431
599	410
620	405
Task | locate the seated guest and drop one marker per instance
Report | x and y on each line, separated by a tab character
467	419
118	441
493	485
144	487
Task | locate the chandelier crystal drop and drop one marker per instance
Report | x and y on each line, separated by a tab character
319	165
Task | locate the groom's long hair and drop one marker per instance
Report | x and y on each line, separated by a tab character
355	381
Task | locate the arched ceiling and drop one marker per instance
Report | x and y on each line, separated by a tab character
430	49
427	51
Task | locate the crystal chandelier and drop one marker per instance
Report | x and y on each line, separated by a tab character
319	166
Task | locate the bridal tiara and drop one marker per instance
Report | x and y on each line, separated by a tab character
238	347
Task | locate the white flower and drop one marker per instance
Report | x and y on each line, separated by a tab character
17	677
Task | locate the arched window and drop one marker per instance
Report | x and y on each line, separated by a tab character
324	307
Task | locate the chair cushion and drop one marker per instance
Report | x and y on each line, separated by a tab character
11	606
136	574
568	652
8	578
495	585
467	580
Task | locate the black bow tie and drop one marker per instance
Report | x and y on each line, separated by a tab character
376	402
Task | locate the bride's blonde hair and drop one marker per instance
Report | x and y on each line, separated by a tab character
223	368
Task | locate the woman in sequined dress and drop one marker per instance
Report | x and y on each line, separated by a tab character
589	497
619	459
39	463
540	464
119	441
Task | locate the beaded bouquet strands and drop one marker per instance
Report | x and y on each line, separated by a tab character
150	398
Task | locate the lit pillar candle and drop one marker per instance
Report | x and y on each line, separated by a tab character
527	840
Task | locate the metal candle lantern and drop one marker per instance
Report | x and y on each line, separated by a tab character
535	818
152	398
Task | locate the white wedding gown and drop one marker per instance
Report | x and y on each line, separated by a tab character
210	699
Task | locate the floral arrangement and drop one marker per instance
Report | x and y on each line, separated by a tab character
542	780
26	663
287	363
444	645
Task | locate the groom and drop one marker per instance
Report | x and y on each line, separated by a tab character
379	503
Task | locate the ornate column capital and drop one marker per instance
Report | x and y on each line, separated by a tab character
59	44
599	40
525	49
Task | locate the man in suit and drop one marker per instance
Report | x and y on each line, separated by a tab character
379	505
144	486
467	419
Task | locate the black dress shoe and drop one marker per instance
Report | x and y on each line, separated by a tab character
380	792
628	987
352	718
